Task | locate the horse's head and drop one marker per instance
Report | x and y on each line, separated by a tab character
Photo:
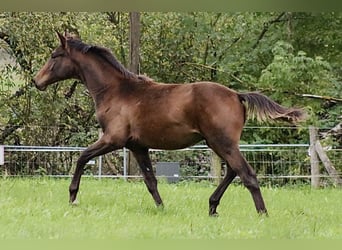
59	67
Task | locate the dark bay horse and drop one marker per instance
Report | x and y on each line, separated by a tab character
137	113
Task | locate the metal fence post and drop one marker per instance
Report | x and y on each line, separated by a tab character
2	155
100	157
125	163
100	166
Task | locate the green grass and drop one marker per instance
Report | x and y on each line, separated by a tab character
114	209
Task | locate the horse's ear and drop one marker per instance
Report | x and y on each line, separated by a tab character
62	39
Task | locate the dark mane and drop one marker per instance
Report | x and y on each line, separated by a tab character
106	55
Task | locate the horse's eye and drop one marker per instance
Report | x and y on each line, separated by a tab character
56	54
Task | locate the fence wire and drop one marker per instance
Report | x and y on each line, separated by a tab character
274	164
275	160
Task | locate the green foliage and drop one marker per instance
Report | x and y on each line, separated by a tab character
185	47
297	74
283	55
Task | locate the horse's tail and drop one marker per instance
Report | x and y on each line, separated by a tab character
264	109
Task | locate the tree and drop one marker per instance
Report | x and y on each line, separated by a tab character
297	74
134	42
239	50
71	119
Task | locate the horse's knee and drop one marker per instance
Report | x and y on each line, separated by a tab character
253	186
81	161
249	180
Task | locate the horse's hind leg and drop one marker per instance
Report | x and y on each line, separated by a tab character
248	178
150	180
215	198
247	175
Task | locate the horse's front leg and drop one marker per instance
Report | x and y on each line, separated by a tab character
150	180
102	146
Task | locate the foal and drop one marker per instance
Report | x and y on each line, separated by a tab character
137	113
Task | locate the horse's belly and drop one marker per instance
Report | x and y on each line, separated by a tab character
170	139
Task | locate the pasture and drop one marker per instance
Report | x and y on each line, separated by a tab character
37	208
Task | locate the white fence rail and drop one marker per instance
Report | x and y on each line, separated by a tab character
275	163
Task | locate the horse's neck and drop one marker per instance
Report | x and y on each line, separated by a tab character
98	77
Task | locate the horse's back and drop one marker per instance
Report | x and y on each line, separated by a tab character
198	102
172	116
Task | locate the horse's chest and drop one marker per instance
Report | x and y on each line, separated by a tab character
108	115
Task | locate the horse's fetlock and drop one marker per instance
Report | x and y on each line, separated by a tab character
213	202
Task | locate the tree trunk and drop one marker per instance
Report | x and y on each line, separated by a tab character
315	180
134	45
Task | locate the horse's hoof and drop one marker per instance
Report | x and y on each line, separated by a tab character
212	211
160	206
263	213
74	203
214	215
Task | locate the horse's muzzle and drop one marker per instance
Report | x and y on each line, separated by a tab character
41	87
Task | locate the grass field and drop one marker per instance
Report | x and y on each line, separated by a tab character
114	209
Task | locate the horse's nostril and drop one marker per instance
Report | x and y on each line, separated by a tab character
40	87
